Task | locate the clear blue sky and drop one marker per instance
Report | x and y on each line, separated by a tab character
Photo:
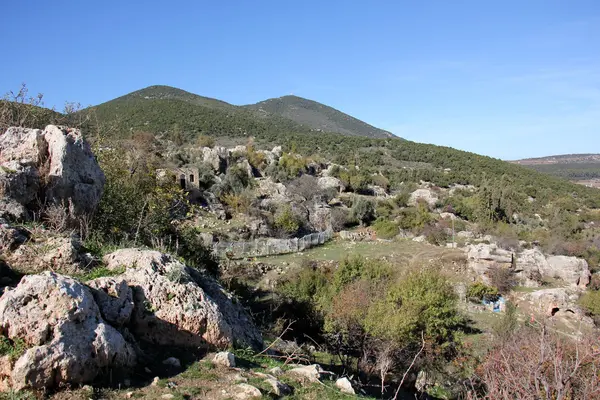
509	79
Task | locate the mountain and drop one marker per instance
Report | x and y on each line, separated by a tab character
317	116
165	110
580	168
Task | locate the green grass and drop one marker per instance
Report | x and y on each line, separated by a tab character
100	272
204	370
337	250
12	348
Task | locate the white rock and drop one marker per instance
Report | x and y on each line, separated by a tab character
310	372
225	359
345	386
244	391
68	338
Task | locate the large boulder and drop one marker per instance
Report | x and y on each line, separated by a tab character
320	217
427	195
330	182
67	340
217	157
178	305
529	265
74	175
481	257
48	251
269	189
53	166
572	270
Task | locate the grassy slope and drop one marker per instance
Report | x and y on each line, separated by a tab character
317	116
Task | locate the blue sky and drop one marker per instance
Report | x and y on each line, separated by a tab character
509	79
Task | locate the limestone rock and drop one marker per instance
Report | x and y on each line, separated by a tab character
243	391
177	305
55	163
224	358
345	386
574	271
11	238
330	182
217	157
278	388
320	217
312	373
267	188
74	175
426	195
27	146
114	298
49	252
69	341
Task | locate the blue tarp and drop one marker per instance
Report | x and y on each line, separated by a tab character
497	305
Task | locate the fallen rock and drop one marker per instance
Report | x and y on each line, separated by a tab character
55	166
178	305
225	359
312	373
345	386
278	388
243	391
68	340
330	182
276	371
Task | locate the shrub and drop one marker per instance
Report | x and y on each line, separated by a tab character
479	291
205	141
591	302
421	302
340	218
362	210
385	229
502	278
305	186
287	221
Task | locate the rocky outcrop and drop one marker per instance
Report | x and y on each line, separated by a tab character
74	176
330	182
271	191
557	304
217	157
67	338
53	166
177	305
114	298
48	251
530	266
426	195
320	217
574	271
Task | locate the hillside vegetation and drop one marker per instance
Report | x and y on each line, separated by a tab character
317	116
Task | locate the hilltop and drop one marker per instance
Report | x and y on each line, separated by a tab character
579	168
317	116
172	111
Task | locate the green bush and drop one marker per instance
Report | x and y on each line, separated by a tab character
287	221
421	302
385	229
591	302
362	210
479	291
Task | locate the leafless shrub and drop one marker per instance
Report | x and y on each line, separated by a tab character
502	278
536	363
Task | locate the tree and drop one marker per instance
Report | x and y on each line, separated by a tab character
363	210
